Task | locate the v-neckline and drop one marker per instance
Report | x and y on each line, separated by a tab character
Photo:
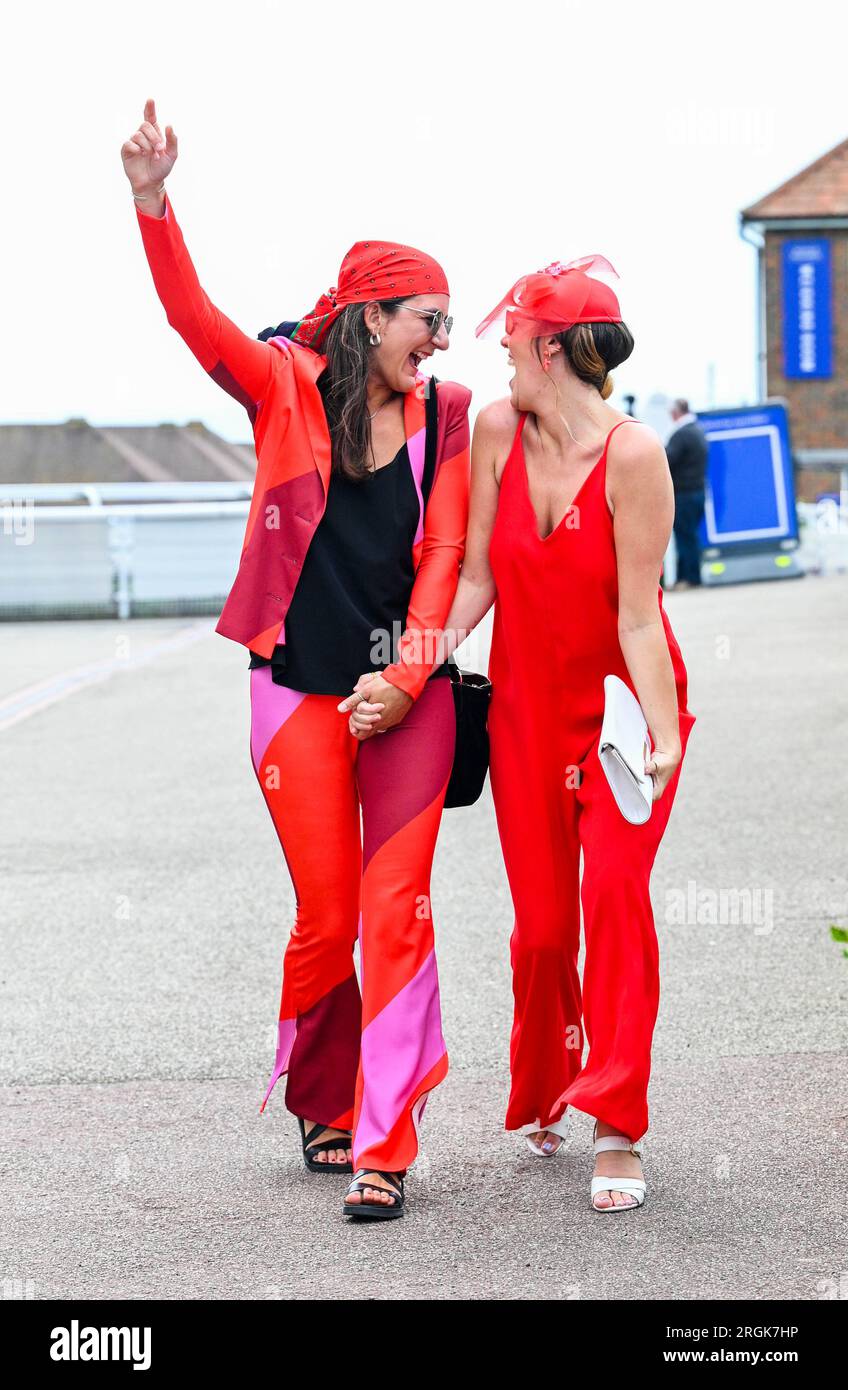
372	472
543	540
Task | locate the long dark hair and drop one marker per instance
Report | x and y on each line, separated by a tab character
344	388
343	385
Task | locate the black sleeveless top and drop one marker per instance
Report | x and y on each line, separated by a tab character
350	604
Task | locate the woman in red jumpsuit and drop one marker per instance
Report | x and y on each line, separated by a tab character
571	511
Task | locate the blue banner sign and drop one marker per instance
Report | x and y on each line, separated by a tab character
807	318
750	492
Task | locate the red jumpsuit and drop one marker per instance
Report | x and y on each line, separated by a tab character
555	638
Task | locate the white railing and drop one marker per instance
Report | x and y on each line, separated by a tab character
119	549
124	549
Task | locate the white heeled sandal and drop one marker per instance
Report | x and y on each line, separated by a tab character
561	1127
633	1187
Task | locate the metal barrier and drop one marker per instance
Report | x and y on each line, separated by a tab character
119	549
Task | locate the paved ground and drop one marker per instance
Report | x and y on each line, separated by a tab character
145	908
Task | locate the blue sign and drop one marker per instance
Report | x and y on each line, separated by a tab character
807	317
750	492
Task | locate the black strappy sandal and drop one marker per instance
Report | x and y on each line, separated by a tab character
323	1147
376	1211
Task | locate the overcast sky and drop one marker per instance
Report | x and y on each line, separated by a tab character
498	137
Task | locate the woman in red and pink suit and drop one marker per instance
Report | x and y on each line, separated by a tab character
340	546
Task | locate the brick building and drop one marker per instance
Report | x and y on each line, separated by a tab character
803	221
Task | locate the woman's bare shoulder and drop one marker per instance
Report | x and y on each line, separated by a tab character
497	422
637	466
638	443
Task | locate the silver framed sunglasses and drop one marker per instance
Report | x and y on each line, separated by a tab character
435	317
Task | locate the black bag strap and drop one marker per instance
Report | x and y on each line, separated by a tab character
431	420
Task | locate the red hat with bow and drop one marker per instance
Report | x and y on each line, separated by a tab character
556	298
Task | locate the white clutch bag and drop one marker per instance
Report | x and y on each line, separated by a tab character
625	745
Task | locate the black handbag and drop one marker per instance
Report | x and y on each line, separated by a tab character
471	695
471	691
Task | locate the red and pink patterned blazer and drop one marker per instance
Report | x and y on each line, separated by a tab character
276	383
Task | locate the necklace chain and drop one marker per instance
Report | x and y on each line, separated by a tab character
380	407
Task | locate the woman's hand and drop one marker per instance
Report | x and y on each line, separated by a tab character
148	155
365	714
662	765
375	705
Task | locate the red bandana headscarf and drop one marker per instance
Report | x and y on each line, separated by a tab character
372	270
555	298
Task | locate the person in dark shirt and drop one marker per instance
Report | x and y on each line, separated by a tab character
687	450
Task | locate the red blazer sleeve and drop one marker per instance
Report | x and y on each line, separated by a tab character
443	546
238	363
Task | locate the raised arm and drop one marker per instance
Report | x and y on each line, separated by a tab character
240	364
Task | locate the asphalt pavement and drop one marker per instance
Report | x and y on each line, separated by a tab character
145	906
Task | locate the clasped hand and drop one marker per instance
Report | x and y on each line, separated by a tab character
375	705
